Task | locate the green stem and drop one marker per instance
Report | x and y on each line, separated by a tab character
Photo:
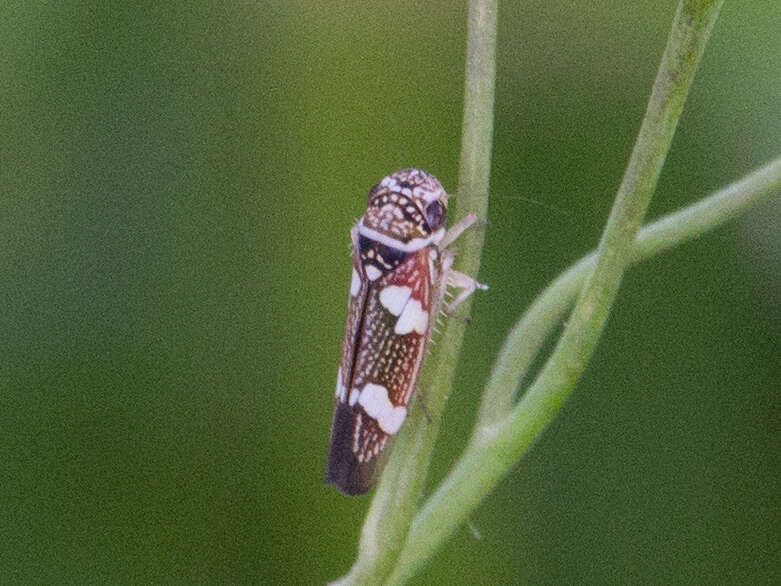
401	485
549	309
538	322
495	448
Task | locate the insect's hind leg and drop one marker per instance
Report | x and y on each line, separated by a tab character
467	285
422	399
453	278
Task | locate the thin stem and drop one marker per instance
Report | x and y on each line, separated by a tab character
545	313
401	485
551	306
495	448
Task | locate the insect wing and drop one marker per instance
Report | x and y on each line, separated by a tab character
343	469
385	340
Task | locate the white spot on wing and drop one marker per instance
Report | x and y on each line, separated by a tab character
355	283
354	395
374	400
341	392
357	436
373	272
412	318
395	297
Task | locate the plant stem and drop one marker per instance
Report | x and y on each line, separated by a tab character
551	306
401	485
495	448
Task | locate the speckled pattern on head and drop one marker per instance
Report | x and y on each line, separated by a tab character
407	205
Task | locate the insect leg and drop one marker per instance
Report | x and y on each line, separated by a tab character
456	230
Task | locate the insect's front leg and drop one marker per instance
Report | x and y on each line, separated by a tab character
457	229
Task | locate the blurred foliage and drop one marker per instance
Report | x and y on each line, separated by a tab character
177	182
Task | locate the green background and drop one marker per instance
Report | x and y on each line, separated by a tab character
177	182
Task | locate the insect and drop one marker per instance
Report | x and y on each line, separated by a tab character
401	270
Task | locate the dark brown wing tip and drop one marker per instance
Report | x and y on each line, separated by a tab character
346	485
351	477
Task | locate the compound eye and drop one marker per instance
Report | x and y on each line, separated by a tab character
435	214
